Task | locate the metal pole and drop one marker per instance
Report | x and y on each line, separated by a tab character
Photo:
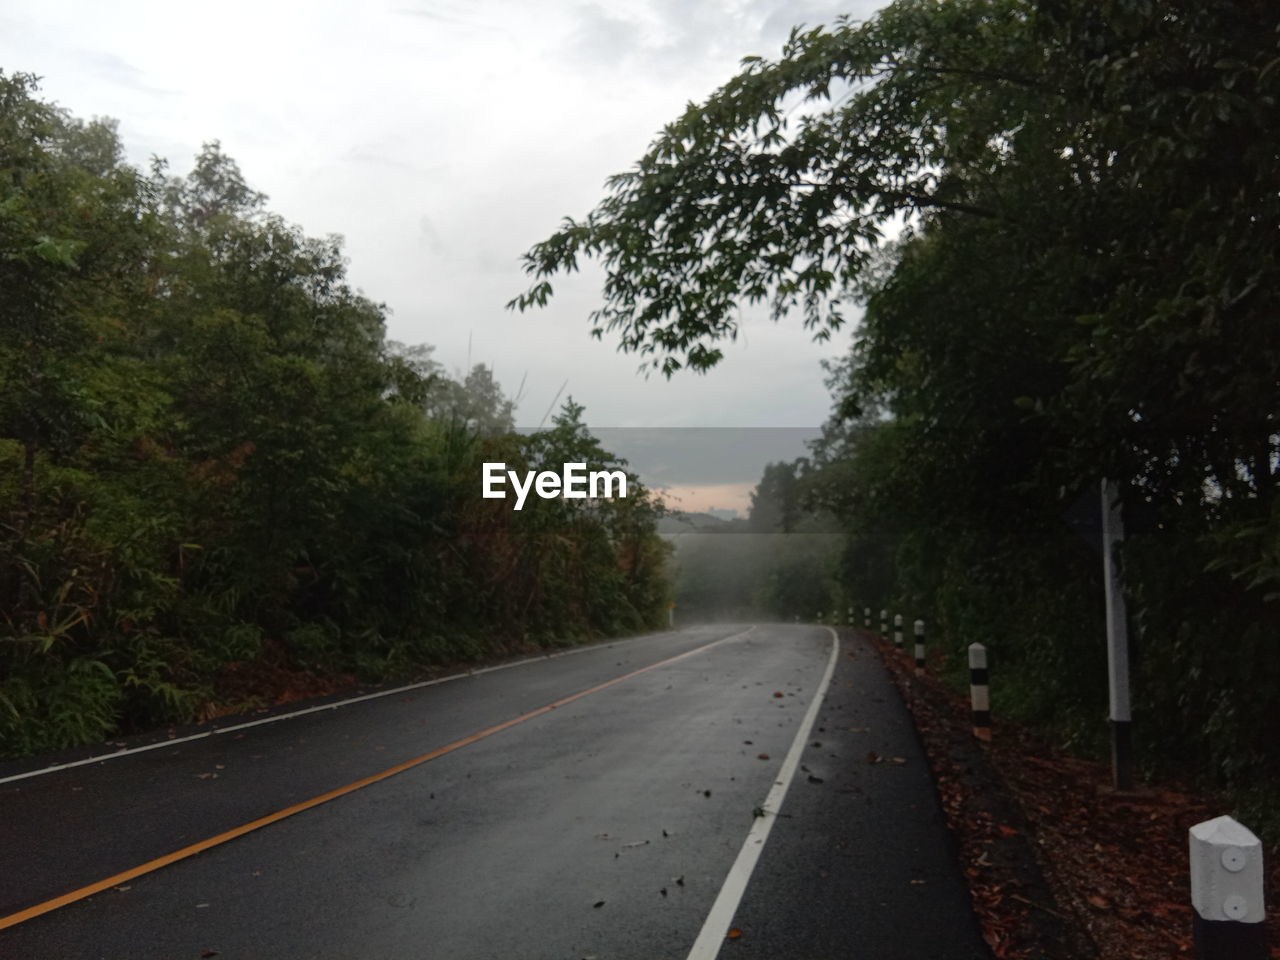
1117	641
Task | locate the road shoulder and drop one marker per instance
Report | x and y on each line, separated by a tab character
860	862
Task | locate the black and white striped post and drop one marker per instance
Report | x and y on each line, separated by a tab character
979	692
1226	891
884	624
897	630
849	620
919	625
819	616
866	617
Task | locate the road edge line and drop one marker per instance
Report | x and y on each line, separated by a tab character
54	903
715	928
377	694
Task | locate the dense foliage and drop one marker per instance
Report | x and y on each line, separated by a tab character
1062	219
218	481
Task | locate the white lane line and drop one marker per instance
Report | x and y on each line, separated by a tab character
716	927
127	751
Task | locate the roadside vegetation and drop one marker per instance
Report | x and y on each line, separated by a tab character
221	485
1060	220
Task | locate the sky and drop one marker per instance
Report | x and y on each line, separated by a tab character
442	139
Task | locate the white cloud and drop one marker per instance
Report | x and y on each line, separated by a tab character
442	138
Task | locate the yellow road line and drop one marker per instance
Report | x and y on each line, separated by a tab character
150	866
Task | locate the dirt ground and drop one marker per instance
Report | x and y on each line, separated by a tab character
1059	864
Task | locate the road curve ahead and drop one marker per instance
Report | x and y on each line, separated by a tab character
685	795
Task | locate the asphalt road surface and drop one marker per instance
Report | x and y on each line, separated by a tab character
640	800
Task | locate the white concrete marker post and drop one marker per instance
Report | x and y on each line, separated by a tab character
884	624
849	621
1117	640
866	617
897	630
980	692
1226	891
919	626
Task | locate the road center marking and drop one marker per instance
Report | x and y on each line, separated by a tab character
150	866
275	718
716	926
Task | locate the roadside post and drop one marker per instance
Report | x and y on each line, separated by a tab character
919	627
1117	641
866	617
884	624
897	631
979	692
1226	891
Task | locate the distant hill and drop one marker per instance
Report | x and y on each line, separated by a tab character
681	521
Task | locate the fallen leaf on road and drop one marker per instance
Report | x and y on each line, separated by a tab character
733	934
1101	903
762	756
208	953
777	693
663	891
598	904
124	888
1007	831
898	760
634	843
873	757
206	776
680	880
813	779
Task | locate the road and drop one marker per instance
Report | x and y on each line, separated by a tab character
649	798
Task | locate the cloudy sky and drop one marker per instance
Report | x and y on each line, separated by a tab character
442	138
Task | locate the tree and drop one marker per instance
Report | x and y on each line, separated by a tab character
1060	219
775	503
218	480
